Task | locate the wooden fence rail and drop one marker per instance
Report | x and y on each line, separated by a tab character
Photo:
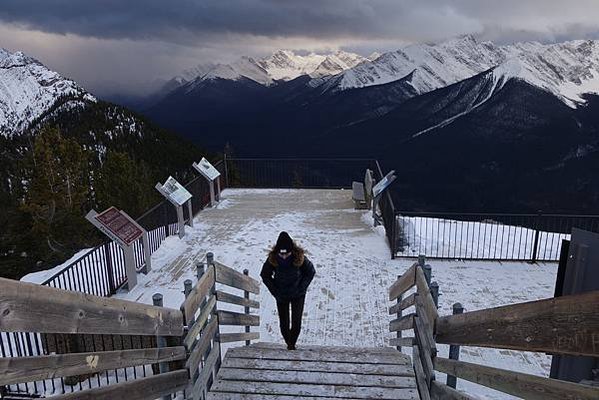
564	325
27	307
193	352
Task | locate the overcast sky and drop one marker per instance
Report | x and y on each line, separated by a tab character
124	45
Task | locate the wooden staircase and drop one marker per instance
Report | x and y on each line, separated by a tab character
271	372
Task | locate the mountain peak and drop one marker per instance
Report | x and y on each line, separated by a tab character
28	89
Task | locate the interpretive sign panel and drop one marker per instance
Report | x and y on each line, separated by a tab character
383	184
118	226
206	169
175	191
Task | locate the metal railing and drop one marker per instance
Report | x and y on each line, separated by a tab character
388	212
487	236
315	173
101	271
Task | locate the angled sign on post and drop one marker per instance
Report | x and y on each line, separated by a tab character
124	230
377	191
206	169
383	184
174	192
118	227
212	175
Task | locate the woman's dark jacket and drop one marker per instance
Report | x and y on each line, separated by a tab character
288	279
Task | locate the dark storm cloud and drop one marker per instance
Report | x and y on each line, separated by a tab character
186	20
171	20
117	45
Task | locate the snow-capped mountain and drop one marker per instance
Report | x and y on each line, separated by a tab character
28	89
283	65
567	70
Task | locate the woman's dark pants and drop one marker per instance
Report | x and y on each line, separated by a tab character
290	334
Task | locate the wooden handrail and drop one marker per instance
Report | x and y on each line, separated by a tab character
404	283
403	304
198	294
27	307
563	325
28	369
138	389
517	383
228	276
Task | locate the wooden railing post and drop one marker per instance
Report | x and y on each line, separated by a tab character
454	350
200	270
246	295
187	288
157	299
434	286
427	274
399	313
210	263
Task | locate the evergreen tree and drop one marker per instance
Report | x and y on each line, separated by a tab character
58	192
125	184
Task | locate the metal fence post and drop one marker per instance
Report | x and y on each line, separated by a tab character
421	260
109	269
434	286
246	295
157	299
535	246
454	350
226	170
399	312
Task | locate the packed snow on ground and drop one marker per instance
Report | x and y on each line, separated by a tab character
347	302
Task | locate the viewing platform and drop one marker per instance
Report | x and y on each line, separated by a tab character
375	325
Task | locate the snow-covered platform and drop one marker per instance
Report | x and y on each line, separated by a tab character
347	302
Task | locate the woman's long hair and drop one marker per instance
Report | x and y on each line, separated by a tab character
297	254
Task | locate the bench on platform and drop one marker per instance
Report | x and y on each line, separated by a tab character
362	192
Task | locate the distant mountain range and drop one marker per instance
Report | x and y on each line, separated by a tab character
463	93
468	125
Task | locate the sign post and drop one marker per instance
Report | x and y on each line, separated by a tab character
212	175
377	191
123	229
178	196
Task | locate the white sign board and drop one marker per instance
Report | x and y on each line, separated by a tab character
383	184
175	191
206	169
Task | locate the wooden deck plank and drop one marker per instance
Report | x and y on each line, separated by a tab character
307	390
320	355
255	396
319	366
271	372
346	349
315	378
